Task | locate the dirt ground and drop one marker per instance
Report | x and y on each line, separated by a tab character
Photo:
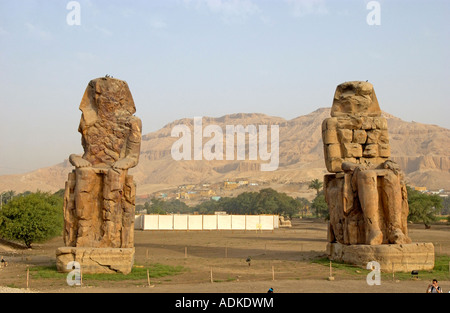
280	259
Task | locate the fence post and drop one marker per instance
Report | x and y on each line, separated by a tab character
273	273
393	275
28	277
331	278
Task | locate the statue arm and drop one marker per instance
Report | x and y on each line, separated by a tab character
133	147
78	161
349	166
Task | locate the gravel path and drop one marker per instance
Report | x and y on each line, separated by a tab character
15	290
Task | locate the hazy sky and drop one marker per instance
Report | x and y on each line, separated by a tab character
187	58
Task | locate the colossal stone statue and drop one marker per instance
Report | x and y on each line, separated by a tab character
372	207
366	194
99	202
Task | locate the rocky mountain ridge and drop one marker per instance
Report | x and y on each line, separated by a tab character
421	150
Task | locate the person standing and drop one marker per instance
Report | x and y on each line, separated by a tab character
434	287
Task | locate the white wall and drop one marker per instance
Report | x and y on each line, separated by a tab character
206	222
210	222
224	222
195	222
165	222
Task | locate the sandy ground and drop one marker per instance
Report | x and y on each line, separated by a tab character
280	260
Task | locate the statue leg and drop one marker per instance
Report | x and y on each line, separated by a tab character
368	197
87	207
392	194
70	220
112	208
128	211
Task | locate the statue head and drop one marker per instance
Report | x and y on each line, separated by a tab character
356	133
106	98
355	98
106	122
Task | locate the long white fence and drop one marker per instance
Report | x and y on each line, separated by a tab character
206	222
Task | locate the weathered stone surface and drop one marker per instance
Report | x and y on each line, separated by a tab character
355	98
397	257
367	123
359	136
96	260
330	136
384	150
345	135
330	123
334	164
368	203
370	151
373	136
99	201
334	151
380	123
384	137
349	122
352	150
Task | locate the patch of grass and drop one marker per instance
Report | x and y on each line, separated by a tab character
229	279
46	272
137	273
440	271
347	269
12	286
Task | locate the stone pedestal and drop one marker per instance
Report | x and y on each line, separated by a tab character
397	257
96	260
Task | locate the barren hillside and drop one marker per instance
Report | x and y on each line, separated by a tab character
423	152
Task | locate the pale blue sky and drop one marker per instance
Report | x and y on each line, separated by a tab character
186	58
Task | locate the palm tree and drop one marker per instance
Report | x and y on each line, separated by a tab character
7	196
316	184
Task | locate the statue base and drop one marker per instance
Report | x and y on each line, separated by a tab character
391	257
96	260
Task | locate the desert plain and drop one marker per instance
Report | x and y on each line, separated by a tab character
289	260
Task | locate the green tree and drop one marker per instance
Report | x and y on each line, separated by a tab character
445	206
320	206
208	207
7	196
304	205
316	184
162	207
60	193
266	201
32	218
422	207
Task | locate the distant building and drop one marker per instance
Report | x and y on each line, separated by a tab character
230	185
207	193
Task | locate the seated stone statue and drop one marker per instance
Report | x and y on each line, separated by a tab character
366	196
99	200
